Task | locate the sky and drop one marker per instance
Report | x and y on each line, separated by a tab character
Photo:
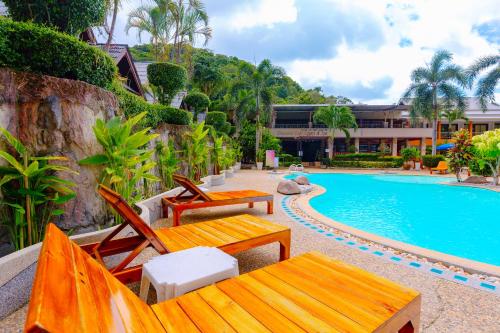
361	49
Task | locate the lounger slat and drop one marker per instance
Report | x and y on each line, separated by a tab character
315	307
209	237
173	318
192	237
220	234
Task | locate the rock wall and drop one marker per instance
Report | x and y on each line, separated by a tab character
55	117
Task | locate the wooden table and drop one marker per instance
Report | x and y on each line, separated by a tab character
311	293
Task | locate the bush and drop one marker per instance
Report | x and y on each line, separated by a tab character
432	161
397	160
475	168
365	164
31	48
218	119
168	79
197	101
71	16
132	105
410	153
358	157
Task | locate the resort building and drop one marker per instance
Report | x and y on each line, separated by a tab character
379	126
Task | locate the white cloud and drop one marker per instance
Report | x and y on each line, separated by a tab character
263	13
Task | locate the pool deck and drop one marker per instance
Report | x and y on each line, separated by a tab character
447	306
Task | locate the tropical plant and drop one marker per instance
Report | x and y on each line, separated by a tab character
168	163
229	157
410	154
435	88
217	120
197	102
462	152
487	84
453	115
168	79
336	118
126	161
190	20
112	8
487	148
246	139
217	152
195	152
71	17
259	157
31	192
238	152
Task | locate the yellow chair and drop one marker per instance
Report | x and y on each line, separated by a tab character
442	167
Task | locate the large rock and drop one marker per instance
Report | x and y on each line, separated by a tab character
288	187
476	180
302	180
55	117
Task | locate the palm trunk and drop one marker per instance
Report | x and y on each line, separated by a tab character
434	122
257	125
28	203
113	24
331	142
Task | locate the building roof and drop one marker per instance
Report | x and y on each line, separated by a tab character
354	107
142	70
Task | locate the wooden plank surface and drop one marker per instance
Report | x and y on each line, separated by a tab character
229	195
308	293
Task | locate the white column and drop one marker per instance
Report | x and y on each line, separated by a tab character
356	144
394	146
423	146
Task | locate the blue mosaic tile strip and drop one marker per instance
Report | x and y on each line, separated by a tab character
439	273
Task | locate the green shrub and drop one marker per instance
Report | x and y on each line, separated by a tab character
197	101
364	164
31	48
219	121
357	157
476	169
397	160
168	79
70	16
432	161
410	153
132	105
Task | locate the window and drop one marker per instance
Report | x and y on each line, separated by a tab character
497	125
479	128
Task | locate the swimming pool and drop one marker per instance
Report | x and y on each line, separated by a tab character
417	210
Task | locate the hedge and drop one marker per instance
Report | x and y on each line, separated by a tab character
168	78
197	101
430	161
358	157
132	105
71	17
31	48
365	164
219	121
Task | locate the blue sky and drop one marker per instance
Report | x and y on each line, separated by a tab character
362	49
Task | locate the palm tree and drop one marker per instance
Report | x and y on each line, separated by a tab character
435	88
112	6
191	20
154	20
336	118
486	85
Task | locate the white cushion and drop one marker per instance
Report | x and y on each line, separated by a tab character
177	273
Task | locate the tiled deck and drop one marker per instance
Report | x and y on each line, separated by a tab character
447	306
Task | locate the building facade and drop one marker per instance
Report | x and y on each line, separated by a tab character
380	127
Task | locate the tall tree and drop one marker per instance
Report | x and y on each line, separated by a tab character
487	84
336	118
112	9
435	88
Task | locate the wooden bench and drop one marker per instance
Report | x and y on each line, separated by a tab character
310	293
192	197
232	235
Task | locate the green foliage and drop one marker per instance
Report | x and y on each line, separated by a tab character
168	163
430	161
335	118
365	164
246	139
195	151
156	114
486	85
479	168
358	157
363	160
197	102
261	153
487	148
217	119
217	152
286	160
126	161
168	79
31	192
462	153
70	16
32	48
410	153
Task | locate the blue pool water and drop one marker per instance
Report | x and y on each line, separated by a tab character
460	221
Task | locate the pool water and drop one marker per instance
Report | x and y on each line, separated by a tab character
417	210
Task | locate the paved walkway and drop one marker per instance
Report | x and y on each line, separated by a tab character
447	306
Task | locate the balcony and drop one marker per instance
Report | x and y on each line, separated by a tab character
305	132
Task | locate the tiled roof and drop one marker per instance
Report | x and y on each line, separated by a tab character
116	51
142	70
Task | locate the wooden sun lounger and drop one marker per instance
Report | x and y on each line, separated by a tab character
199	199
310	293
442	167
232	235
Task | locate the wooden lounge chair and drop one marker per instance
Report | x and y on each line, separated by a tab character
308	293
442	167
199	199
232	235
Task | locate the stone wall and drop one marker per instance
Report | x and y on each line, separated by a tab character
55	117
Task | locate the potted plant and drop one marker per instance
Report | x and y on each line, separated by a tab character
260	159
228	162
217	157
409	154
238	155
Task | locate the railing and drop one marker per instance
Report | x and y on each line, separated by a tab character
447	135
291	126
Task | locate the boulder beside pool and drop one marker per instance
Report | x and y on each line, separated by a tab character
476	180
288	187
302	180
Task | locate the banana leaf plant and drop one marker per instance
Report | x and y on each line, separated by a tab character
31	192
196	150
168	163
217	152
126	159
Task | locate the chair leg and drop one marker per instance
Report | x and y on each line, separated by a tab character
285	246
165	211
407	328
250	205
176	217
270	205
145	283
